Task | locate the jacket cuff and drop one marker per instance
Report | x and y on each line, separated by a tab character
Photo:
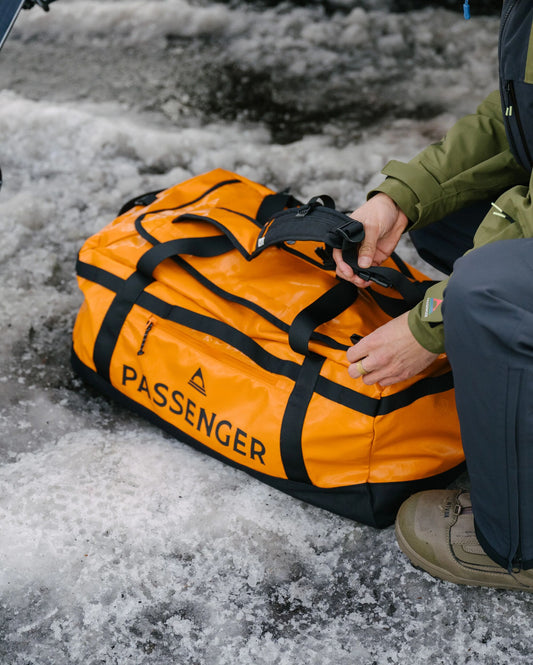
411	187
401	194
427	334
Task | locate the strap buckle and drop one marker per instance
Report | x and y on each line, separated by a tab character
369	276
351	232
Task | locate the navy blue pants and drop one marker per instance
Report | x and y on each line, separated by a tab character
488	325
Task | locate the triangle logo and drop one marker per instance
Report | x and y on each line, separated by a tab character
197	381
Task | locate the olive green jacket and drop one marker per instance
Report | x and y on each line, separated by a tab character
471	163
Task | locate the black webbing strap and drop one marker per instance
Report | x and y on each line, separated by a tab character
114	319
327	307
205	247
133	287
393	307
411	292
294	418
274	203
140	200
98	275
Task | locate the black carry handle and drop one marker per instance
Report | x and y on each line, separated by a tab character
205	247
327	307
316	220
273	203
312	221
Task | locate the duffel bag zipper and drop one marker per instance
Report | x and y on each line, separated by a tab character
180	335
149	326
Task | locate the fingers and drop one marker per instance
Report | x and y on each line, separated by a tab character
344	271
371	361
358	369
367	250
366	257
361	364
364	369
359	351
389	354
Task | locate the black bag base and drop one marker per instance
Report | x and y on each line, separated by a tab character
373	504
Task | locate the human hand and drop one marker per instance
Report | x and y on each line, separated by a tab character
389	354
384	224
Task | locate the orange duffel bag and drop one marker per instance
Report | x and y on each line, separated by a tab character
212	308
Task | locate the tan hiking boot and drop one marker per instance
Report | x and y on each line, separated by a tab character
435	529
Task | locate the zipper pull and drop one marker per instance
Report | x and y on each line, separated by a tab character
149	327
509	91
500	213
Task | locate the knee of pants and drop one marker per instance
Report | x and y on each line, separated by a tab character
480	280
488	304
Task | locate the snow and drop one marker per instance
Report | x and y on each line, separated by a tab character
119	544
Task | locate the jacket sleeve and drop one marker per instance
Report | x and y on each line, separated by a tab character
472	162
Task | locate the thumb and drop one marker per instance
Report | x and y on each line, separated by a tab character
367	249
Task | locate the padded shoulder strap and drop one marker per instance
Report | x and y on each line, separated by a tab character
311	222
323	223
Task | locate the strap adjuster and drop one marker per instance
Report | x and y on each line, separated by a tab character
369	276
